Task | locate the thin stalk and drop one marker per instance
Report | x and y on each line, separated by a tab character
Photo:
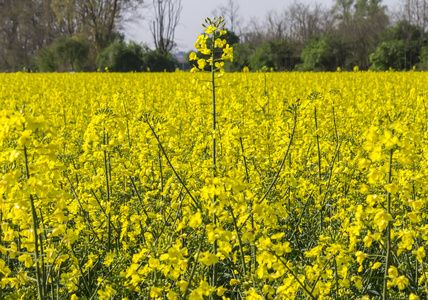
320	274
239	241
85	284
1	274
172	167
36	243
279	170
127	125
103	210
214	279
335	127
388	232
106	172
88	221
139	198
44	277
247	179
297	278
283	160
160	170
192	273
423	272
336	278
104	277
319	163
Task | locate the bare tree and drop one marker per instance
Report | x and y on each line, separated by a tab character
25	27
166	18
276	28
97	19
254	34
230	14
358	26
306	20
415	12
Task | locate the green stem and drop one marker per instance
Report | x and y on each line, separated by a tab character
106	171
388	232
319	165
279	170
192	273
1	274
36	243
239	241
297	278
247	179
423	271
85	216
214	279
172	167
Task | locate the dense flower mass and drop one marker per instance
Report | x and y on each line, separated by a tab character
107	188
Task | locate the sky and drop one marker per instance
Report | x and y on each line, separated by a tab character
195	11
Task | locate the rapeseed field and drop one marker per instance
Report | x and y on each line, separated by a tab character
305	186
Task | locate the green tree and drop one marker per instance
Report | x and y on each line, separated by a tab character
323	54
279	55
46	61
423	58
71	53
388	55
400	48
122	57
155	61
358	25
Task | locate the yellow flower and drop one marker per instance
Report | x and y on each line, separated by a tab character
195	220
210	29
420	254
401	282
207	258
107	293
358	281
392	188
219	43
3	268
392	272
205	51
219	65
172	295
26	259
227	53
413	297
155	292
183	285
193	56
376	265
381	219
25	138
201	63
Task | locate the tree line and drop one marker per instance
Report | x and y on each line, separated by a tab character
83	35
86	35
310	37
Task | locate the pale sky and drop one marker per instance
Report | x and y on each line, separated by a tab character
195	11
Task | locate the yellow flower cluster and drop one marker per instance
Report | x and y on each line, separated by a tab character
210	45
107	187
